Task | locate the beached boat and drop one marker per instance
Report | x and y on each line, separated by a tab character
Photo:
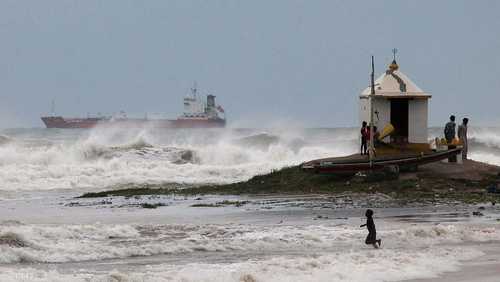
357	163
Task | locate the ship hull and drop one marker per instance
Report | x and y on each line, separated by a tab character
61	122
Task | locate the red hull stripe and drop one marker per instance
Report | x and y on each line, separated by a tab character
60	122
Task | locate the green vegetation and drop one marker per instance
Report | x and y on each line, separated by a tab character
293	180
287	180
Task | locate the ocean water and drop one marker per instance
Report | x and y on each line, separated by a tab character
43	159
48	235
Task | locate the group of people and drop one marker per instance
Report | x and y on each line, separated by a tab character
449	133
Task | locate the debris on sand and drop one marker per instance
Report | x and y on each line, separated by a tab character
220	204
152	206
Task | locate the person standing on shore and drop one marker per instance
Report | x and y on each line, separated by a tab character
364	138
371	239
462	135
449	135
449	130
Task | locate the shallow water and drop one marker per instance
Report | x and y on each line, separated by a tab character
266	239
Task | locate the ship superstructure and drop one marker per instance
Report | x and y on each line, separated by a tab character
198	113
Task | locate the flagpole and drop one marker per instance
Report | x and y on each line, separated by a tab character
371	149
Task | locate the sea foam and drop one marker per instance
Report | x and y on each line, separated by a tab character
103	158
71	243
361	265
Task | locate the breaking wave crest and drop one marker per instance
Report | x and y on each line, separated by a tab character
484	145
327	251
353	266
103	158
73	243
4	140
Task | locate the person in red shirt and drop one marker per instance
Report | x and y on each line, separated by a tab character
365	136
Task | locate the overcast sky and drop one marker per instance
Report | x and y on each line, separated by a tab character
290	62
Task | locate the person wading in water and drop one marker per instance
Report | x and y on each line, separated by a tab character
371	239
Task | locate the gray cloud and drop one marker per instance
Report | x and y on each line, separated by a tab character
303	60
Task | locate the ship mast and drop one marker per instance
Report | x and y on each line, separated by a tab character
53	107
371	147
194	90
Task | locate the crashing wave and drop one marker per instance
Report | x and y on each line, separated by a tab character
382	265
259	141
137	145
65	243
186	157
5	140
12	240
103	159
93	152
478	144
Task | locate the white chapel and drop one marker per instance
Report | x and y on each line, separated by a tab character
400	102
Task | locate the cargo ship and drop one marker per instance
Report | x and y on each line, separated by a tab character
198	113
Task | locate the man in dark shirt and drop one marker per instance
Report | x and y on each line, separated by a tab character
449	130
449	135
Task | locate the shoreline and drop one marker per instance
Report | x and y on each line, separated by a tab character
435	183
269	225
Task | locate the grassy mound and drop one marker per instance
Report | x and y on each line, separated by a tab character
293	180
